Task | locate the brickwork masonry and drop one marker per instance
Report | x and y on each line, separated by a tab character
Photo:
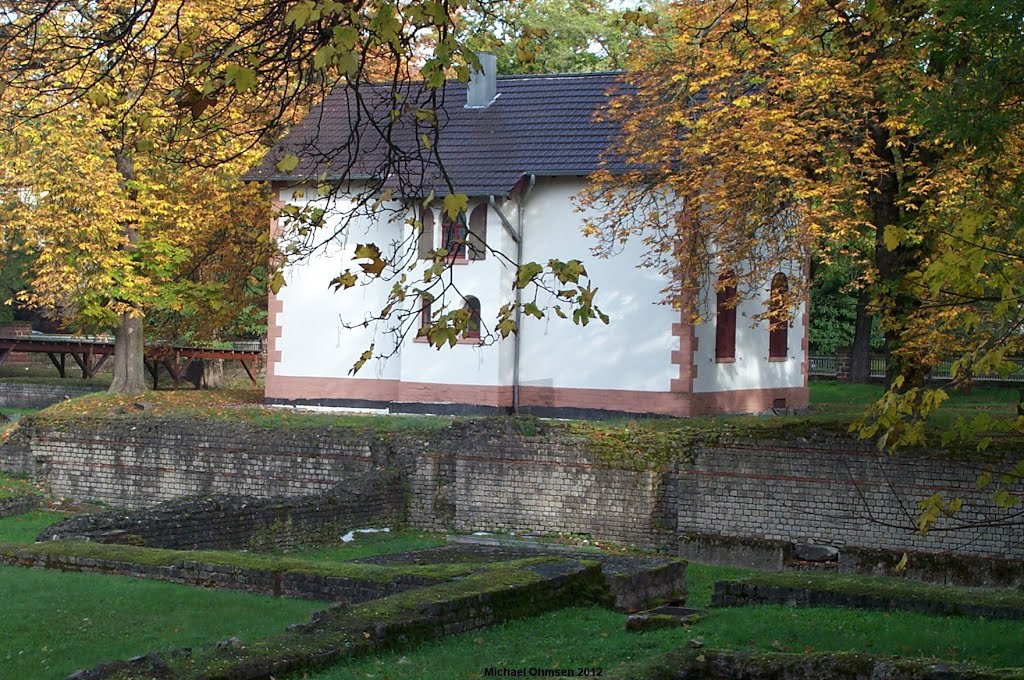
32	395
494	474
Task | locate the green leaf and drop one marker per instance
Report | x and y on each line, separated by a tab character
298	16
891	237
527	273
455	204
288	163
243	77
363	358
346	280
533	310
345	37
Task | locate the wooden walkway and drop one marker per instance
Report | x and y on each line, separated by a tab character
91	353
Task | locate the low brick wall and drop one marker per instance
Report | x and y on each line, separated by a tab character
16	505
247	522
333	635
739	594
748	553
31	395
260	581
832	490
952	570
501	474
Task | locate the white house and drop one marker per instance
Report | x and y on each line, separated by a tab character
521	147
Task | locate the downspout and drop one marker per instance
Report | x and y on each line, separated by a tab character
517	235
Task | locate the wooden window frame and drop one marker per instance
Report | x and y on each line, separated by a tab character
473	331
725	319
778	328
455	239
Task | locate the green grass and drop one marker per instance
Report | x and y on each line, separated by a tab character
370	545
13	486
890	588
55	622
596	637
23	529
567	638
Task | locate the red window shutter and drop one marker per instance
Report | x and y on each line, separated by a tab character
778	330
725	321
426	238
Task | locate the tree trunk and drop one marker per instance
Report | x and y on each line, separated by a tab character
860	354
129	364
129	368
206	374
896	302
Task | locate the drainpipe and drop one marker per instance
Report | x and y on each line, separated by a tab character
517	235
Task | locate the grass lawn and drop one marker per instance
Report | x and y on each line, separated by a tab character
14	486
369	545
24	528
55	622
596	637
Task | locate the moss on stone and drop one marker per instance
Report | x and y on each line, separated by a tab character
890	588
160	557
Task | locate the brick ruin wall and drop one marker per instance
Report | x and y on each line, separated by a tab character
32	395
223	522
487	475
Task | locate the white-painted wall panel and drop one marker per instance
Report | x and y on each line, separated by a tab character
633	352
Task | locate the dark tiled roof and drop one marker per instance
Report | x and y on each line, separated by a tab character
543	125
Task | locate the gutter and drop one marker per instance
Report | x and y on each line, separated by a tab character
517	235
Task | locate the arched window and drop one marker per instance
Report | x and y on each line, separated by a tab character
455	236
725	318
426	300
778	319
426	239
478	232
473	305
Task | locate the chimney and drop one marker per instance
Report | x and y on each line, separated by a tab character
483	84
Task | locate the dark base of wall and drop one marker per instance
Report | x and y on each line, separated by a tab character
566	412
397	407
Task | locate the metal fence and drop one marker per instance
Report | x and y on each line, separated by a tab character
829	366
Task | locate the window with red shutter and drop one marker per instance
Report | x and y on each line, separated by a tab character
725	318
778	329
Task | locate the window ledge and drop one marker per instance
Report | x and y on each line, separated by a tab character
778	358
725	360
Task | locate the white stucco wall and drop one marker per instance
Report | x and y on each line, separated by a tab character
468	363
314	341
751	368
633	352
